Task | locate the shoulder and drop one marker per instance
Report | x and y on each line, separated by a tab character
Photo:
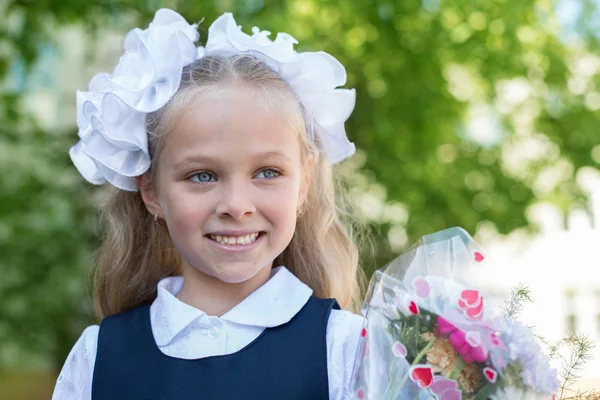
343	339
127	322
89	337
85	347
139	311
343	332
74	381
346	323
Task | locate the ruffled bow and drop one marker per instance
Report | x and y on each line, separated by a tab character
111	116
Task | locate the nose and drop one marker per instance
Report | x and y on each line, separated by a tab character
235	201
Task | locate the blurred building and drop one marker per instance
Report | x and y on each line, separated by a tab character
561	268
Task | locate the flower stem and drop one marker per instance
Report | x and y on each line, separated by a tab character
392	390
416	330
458	367
486	391
424	351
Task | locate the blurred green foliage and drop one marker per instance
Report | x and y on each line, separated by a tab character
445	142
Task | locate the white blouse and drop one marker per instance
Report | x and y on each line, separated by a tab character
183	331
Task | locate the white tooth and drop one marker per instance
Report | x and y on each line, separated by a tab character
236	240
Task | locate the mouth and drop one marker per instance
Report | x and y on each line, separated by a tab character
239	240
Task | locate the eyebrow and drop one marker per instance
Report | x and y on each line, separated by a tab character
277	155
269	155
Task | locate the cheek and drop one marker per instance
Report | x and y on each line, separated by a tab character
281	207
184	212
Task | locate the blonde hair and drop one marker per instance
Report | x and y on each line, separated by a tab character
137	252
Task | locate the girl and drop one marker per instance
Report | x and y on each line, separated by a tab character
223	248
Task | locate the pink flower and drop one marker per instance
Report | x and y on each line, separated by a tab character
444	327
468	344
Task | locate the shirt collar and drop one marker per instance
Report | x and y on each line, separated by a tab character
273	304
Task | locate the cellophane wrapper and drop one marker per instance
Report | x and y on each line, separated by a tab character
430	334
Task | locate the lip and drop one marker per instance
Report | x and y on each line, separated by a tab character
234	232
238	248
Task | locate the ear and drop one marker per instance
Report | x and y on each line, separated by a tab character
149	194
306	180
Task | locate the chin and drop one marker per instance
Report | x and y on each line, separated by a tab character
236	275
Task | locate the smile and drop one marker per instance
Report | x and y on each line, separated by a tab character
235	240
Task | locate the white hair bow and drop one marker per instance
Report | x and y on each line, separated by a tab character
111	116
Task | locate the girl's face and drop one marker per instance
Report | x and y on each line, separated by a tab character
229	184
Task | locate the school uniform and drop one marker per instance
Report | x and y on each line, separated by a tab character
278	343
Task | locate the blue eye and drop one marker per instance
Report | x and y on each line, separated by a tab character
268	173
203	177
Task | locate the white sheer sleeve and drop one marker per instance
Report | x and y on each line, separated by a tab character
343	335
75	379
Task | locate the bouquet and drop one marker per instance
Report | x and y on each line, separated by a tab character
430	334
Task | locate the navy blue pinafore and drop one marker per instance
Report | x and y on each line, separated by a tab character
285	362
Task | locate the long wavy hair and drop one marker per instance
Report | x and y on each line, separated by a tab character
136	252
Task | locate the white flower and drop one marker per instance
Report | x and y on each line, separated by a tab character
536	369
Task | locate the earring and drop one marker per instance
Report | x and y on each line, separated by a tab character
156	218
300	211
